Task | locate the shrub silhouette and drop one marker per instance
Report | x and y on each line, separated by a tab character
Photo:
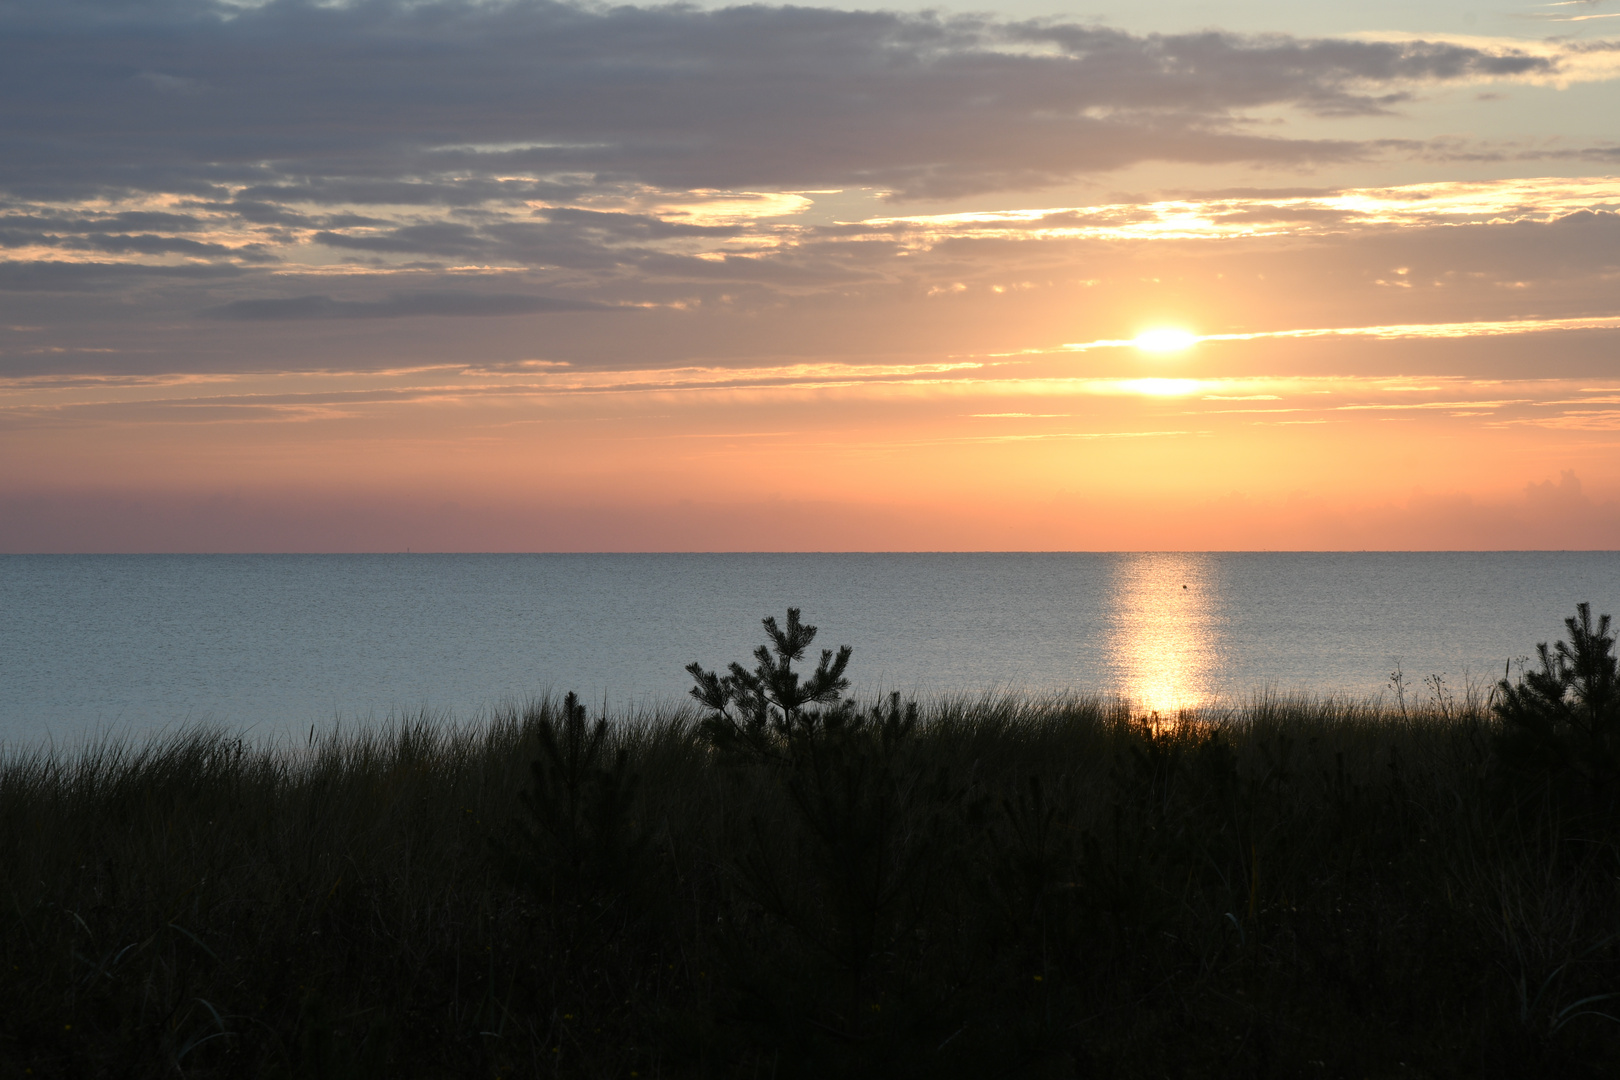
1561	725
577	838
845	857
760	711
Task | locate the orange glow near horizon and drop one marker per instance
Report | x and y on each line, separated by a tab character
1014	456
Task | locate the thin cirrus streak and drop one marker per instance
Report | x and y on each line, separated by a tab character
551	377
710	378
1263	401
1411	205
1084	436
1570	420
1483	328
259	401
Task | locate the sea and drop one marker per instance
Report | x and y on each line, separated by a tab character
271	646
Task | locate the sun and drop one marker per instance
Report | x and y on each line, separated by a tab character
1165	339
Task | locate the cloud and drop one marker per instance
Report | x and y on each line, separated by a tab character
53	276
400	306
1284	274
661	155
296	99
441	238
1573	202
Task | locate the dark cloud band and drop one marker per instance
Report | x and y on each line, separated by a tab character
400	306
355	102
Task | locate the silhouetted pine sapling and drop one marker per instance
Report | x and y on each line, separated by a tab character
851	869
1561	725
758	712
577	837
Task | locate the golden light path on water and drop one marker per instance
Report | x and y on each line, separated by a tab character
1165	633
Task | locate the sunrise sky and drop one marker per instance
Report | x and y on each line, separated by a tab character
529	276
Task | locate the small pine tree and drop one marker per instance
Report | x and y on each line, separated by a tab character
577	836
844	870
1561	725
759	710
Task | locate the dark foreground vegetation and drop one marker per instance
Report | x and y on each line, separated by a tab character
779	884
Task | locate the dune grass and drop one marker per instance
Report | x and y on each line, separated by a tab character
1292	886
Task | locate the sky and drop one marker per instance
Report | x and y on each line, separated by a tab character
521	276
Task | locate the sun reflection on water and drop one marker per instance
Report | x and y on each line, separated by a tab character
1165	631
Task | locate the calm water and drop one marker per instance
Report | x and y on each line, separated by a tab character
274	643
